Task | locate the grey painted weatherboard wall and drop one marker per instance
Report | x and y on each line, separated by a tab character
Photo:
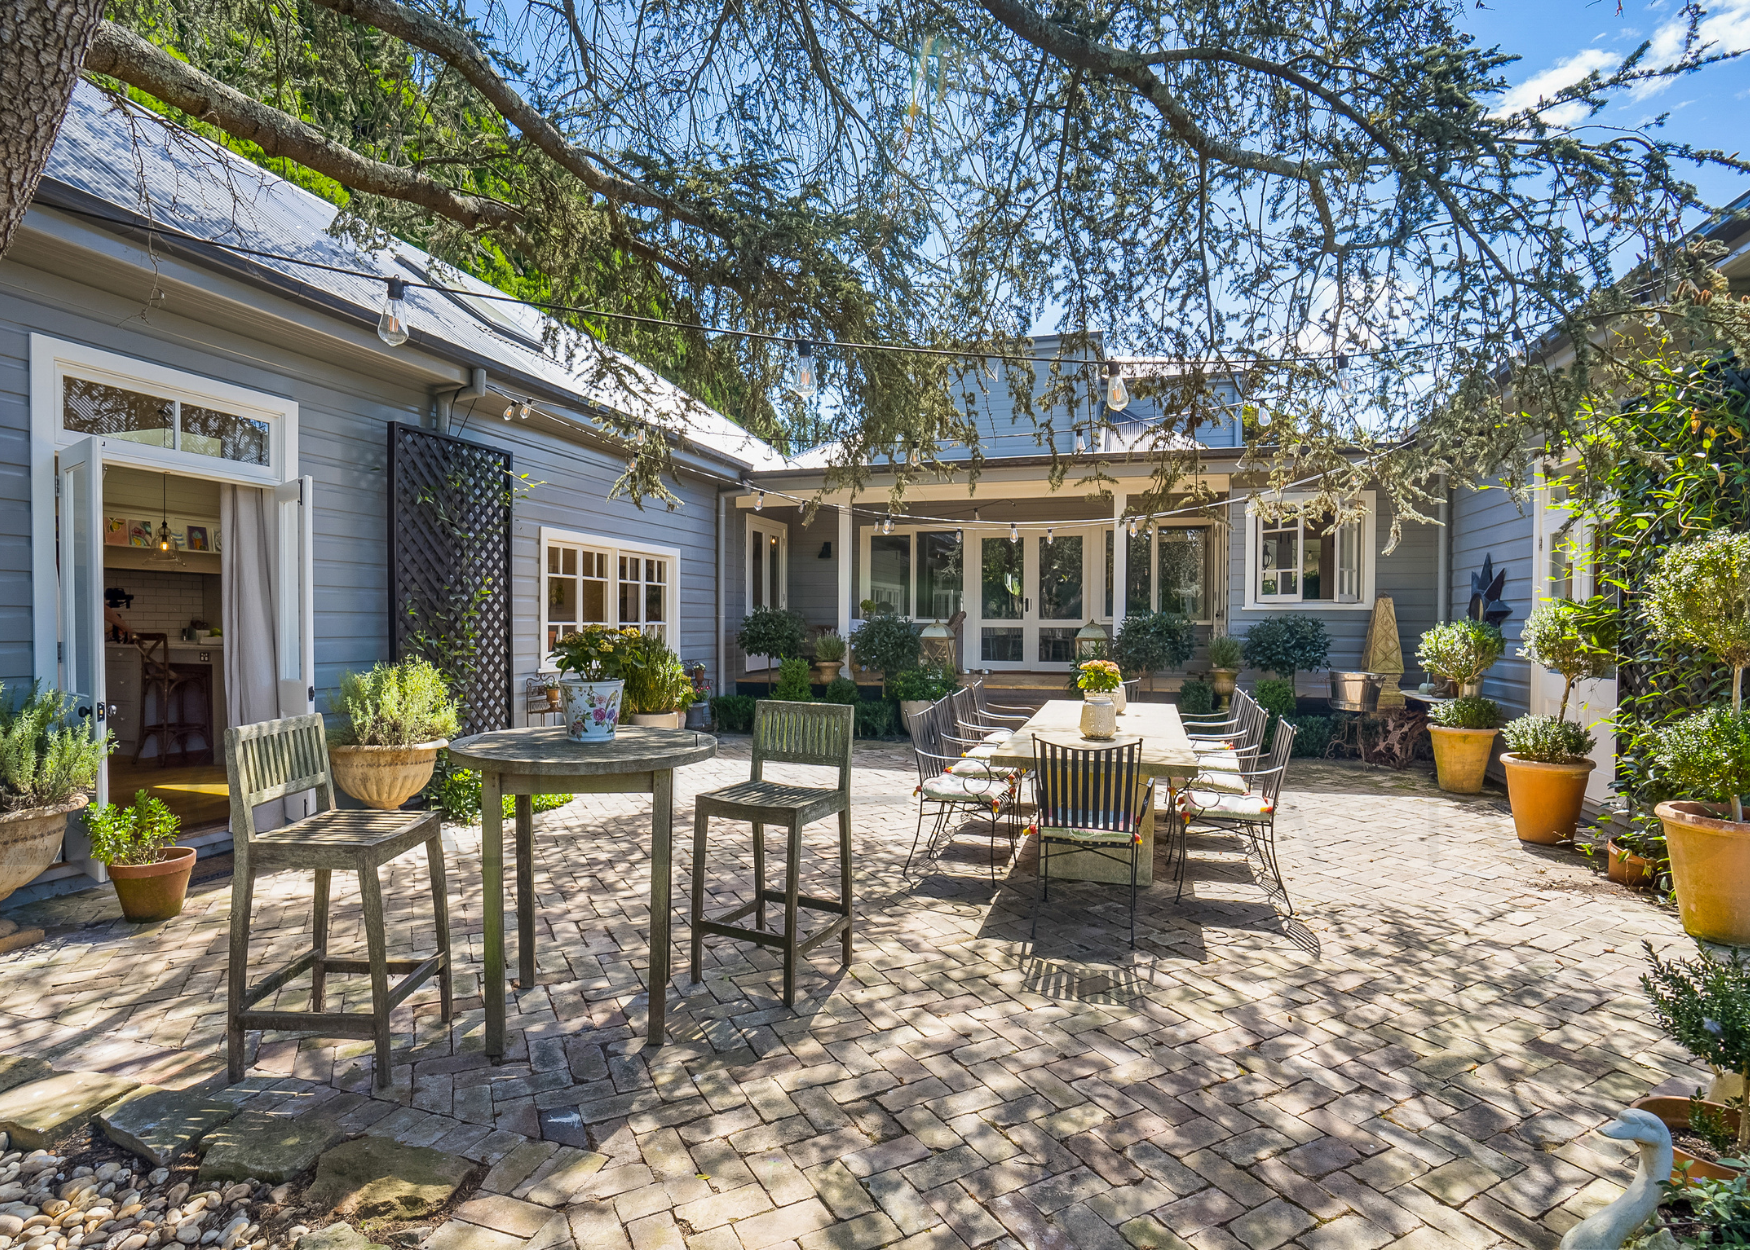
1489	523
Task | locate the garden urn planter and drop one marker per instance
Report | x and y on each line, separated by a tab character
1674	1113
1461	757
1546	798
1099	717
826	671
1710	869
554	700
154	891
909	708
384	777
30	839
592	708
658	720
699	716
1626	868
1221	680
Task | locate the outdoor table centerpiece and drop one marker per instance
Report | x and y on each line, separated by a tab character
1099	681
589	663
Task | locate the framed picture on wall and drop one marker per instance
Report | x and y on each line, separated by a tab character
197	538
115	531
140	534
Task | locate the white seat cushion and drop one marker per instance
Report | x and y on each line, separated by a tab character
1201	802
1085	835
999	736
981	767
964	789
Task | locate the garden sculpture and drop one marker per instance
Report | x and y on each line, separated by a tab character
1486	585
1610	1227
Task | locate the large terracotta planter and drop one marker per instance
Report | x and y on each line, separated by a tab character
1674	1114
30	840
1546	798
384	777
1710	868
1461	757
1626	868
154	891
659	720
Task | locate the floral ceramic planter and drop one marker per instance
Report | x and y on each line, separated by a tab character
592	709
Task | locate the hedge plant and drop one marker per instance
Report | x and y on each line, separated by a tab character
1288	644
793	684
776	633
1196	698
733	713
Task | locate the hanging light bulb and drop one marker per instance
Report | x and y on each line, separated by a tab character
164	512
959	534
887	525
163	536
1081	443
1133	527
1049	536
508	410
759	501
807	380
523	412
1116	396
391	327
1014	532
913	458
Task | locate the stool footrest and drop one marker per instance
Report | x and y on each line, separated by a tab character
807	900
766	937
419	971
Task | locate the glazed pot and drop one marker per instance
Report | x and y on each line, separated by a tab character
384	777
1461	757
1674	1113
592	708
154	891
658	720
1221	680
1626	868
1710	869
30	839
1546	798
1099	717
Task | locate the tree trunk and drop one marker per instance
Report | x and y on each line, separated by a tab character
42	46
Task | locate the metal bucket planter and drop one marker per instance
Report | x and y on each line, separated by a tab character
30	840
592	708
384	777
154	891
1354	692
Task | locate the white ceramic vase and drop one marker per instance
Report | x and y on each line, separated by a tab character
592	708
1099	716
1120	700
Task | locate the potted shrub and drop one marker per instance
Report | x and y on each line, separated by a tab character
776	633
1698	598
1288	644
1546	764
138	846
1704	1004
829	657
1148	641
550	683
590	682
793	684
1226	654
887	644
1461	652
46	767
917	688
393	722
1098	679
657	690
1463	732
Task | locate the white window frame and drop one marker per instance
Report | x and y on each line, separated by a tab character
1368	527
613	548
1212	589
761	530
866	555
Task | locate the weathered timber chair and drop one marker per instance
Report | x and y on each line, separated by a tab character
270	761
789	733
1089	800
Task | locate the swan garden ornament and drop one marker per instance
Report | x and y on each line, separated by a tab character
1609	1227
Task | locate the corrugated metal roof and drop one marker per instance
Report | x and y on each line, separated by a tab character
184	182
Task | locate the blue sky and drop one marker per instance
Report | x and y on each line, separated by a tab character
1559	41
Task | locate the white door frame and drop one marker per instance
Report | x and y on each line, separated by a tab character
759	531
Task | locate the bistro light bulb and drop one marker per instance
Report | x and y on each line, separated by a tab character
391	328
1116	396
523	412
959	535
1081	443
759	501
887	525
1133	527
508	410
163	536
807	380
1014	533
1049	537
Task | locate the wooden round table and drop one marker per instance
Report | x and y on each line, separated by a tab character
526	762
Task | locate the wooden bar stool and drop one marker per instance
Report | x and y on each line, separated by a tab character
173	686
790	733
270	761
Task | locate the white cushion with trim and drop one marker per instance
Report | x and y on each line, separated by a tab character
1201	802
965	789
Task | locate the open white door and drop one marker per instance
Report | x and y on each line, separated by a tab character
82	623
297	634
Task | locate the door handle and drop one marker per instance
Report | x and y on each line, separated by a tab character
84	711
114	710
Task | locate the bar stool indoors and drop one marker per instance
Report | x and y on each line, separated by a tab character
174	686
789	733
270	761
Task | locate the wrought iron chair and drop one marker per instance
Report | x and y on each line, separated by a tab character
1252	813
1000	715
1093	800
947	786
973	723
271	761
789	733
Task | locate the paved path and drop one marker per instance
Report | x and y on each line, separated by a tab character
1417	1061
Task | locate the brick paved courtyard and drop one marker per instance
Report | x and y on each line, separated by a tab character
1417	1060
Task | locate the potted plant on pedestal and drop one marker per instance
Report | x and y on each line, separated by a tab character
1546	764
393	722
138	846
590	682
829	657
1699	597
1461	652
1226	654
46	766
550	683
657	688
1704	1004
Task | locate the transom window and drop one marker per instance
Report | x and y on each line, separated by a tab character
138	417
590	580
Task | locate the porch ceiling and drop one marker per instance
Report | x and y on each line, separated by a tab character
1000	483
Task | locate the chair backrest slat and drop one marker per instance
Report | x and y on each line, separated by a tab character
1270	782
271	760
804	733
1088	788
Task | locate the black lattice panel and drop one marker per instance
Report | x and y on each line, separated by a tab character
449	599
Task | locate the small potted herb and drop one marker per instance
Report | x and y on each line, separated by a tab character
590	681
137	844
1461	652
1226	654
829	657
46	767
393	722
1704	1005
1546	763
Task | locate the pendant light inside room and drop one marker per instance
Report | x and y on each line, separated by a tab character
164	550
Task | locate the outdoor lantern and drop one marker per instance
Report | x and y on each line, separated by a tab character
1092	642
939	644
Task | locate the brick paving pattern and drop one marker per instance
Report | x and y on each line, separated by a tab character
1415	1061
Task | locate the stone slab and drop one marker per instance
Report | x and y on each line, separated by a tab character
40	1113
335	1237
267	1147
164	1124
16	1070
373	1178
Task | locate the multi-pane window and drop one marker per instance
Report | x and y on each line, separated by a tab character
589	585
1184	571
890	571
1136	598
940	574
577	590
112	412
1306	560
644	593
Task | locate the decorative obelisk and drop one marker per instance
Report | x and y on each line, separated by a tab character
1384	653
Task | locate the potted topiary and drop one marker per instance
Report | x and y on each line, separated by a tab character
917	688
887	644
138	846
1699	598
657	690
590	682
393	722
1149	641
1461	652
1546	780
776	633
46	767
1704	1004
1226	654
1288	644
829	657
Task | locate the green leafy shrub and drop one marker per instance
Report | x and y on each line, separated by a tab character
131	834
829	648
793	685
1704	1004
1707	755
1288	644
1546	740
1150	641
1196	698
887	643
841	690
656	680
1276	696
876	718
1461	651
394	705
733	713
43	760
1471	712
1226	652
927	683
1699	597
1312	735
458	798
775	632
1721	1208
1568	638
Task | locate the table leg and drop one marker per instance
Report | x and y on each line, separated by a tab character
661	897
525	890
492	907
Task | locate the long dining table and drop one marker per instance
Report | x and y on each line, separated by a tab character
1166	757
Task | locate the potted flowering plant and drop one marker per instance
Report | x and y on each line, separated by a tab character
1098	679
393	722
138	846
590	678
46	766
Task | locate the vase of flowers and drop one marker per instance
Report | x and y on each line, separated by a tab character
1098	680
590	680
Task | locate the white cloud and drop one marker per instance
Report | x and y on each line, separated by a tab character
1547	84
1726	26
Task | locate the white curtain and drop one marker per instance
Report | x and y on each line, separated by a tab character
247	562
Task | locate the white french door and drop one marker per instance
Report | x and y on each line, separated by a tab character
295	503
81	607
1031	594
1566	571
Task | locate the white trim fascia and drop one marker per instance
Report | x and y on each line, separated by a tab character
1369	563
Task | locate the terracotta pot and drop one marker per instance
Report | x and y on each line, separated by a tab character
1461	757
658	720
1710	868
1546	798
154	891
30	840
1099	717
1674	1113
384	777
1627	868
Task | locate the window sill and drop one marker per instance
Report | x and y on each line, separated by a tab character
1316	605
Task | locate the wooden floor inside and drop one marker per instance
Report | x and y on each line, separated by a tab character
198	793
